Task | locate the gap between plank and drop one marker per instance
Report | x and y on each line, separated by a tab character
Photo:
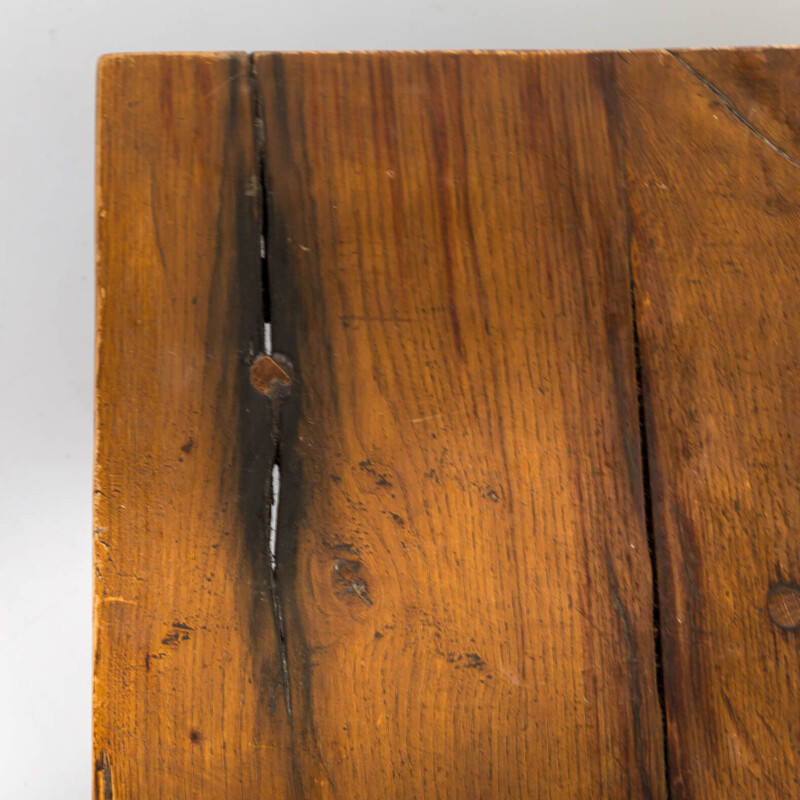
273	517
647	497
650	529
274	476
644	448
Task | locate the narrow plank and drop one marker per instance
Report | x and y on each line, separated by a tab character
188	698
715	206
463	567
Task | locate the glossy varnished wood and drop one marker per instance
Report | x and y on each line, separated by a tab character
188	686
462	558
714	191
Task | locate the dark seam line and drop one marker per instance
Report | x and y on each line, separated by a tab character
259	139
651	536
644	450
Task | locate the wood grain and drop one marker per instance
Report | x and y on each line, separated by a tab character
485	272
463	565
188	698
759	85
714	192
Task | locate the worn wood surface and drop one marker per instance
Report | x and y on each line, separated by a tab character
484	272
715	205
463	571
188	679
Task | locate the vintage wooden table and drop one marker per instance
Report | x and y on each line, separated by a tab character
529	385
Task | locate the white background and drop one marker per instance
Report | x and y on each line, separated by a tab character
48	51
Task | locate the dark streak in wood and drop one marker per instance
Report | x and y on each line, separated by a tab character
184	623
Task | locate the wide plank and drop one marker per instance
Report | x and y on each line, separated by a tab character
462	561
714	188
188	692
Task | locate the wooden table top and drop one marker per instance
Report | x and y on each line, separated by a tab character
448	425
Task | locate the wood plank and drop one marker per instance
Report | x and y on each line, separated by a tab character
188	691
714	191
463	566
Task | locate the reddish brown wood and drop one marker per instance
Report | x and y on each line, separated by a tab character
462	558
465	253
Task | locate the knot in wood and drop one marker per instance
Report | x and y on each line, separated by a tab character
783	606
